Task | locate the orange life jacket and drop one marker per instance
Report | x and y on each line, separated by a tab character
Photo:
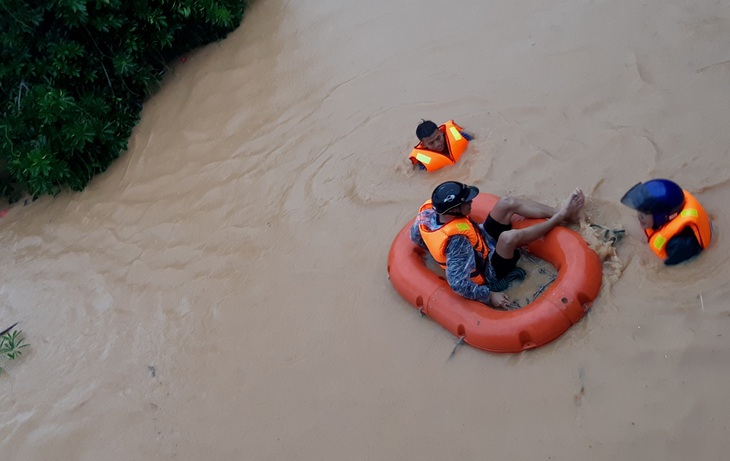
692	215
436	242
455	146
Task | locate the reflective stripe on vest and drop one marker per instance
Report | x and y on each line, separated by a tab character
423	158
455	133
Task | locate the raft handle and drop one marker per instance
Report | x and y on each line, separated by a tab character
584	301
526	340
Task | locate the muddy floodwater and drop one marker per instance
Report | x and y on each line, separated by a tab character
221	292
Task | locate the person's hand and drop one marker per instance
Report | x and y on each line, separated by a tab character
501	301
419	166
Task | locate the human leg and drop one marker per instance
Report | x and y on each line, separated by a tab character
510	240
507	206
503	266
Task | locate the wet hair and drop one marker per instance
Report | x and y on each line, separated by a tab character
425	129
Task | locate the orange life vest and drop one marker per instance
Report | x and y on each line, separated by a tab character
436	242
692	215
455	146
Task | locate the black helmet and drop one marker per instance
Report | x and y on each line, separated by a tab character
452	194
659	197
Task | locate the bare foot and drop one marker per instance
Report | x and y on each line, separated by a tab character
580	214
572	206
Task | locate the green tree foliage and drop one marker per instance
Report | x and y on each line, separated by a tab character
12	344
74	75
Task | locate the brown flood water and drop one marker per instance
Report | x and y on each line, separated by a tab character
221	292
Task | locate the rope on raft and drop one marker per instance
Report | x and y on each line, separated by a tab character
609	235
458	343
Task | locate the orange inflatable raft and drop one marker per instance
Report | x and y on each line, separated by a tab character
563	304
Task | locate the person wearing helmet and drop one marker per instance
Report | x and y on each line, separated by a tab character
677	227
438	146
474	255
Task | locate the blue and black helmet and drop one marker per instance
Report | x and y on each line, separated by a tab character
659	197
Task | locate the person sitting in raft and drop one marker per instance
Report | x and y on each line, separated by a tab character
474	254
439	146
676	225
